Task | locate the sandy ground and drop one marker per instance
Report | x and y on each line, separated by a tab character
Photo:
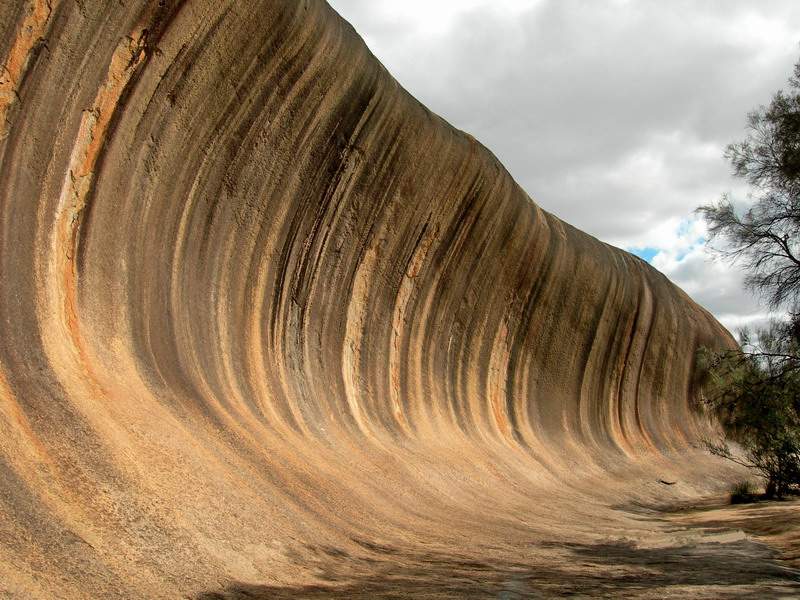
774	524
706	549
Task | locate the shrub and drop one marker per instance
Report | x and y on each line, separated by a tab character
743	492
755	393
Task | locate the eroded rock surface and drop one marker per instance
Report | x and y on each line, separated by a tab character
267	320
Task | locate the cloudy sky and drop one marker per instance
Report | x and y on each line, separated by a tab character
612	114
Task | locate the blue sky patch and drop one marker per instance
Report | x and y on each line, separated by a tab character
644	253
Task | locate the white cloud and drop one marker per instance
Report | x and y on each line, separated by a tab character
715	284
611	114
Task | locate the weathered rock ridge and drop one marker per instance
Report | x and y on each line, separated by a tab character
263	312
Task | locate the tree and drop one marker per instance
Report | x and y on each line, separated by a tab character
764	239
756	389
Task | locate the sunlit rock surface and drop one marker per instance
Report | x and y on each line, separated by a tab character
268	320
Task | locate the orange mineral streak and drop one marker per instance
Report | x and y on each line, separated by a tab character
78	184
30	33
498	367
267	319
18	426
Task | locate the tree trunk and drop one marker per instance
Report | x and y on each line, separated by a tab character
771	488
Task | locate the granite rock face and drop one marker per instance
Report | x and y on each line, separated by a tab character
262	311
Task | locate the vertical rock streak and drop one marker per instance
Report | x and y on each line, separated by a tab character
257	297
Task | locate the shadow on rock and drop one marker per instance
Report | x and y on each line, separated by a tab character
740	569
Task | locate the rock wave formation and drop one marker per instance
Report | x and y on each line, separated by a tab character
264	313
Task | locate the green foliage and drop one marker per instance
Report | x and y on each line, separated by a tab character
765	239
743	492
755	390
